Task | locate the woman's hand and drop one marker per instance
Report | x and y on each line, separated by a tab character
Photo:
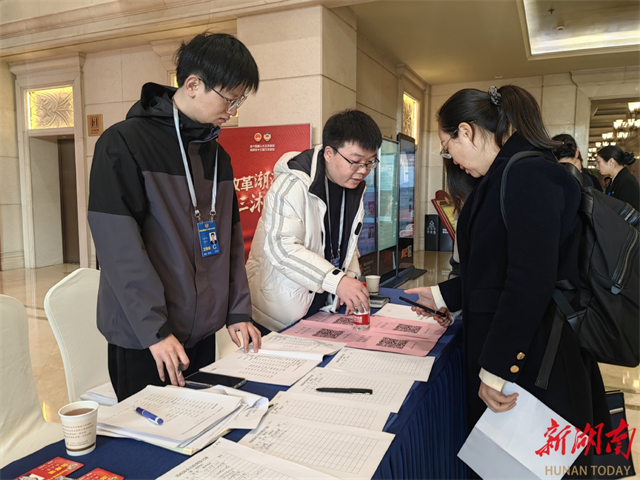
495	400
425	297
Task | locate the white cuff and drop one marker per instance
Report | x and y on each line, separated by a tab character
331	281
437	298
492	380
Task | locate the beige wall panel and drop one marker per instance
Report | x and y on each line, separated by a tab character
103	77
11	236
9	182
139	66
335	98
8	134
285	101
387	124
559	105
339	47
285	44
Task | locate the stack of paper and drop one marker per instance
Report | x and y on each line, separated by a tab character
192	419
225	459
103	394
264	368
298	347
400	366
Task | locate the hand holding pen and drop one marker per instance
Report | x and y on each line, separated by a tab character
426	305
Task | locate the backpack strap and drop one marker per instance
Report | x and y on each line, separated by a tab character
503	183
573	170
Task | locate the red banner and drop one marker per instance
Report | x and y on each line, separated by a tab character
254	151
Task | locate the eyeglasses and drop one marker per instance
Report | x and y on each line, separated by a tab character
355	166
233	104
443	151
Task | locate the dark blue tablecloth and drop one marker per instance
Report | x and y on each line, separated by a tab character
430	429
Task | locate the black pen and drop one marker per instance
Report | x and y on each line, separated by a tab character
368	391
426	309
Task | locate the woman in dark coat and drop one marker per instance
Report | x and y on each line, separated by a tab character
611	162
507	276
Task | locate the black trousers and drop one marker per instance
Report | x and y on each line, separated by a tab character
131	370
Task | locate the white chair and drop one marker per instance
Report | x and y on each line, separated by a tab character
71	306
22	426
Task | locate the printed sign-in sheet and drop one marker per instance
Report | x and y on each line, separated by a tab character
369	340
388	391
225	459
345	452
298	347
263	368
401	366
402	312
331	411
393	326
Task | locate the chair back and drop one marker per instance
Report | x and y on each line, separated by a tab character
23	427
71	307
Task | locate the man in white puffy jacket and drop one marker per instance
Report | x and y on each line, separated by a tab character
305	244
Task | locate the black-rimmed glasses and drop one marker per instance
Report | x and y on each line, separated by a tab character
355	166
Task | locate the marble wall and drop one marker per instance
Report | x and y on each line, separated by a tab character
11	243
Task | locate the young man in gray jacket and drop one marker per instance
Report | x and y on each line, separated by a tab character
161	188
305	244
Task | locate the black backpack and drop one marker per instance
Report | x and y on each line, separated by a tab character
608	319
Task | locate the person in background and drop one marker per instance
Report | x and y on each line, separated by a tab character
624	186
606	181
162	294
305	245
569	153
507	276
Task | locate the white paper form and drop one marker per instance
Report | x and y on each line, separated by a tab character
345	452
229	460
256	367
103	394
504	445
298	347
388	391
186	414
330	411
400	366
404	312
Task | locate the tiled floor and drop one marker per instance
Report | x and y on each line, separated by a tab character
31	285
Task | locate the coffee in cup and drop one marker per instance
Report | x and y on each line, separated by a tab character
79	424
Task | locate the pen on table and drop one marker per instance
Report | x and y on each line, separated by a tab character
149	416
426	309
368	391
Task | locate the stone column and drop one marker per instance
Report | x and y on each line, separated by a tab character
307	62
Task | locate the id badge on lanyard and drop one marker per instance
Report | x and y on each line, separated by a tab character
208	238
207	232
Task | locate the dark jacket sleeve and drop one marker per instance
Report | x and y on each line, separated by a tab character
239	296
451	291
117	208
627	190
535	202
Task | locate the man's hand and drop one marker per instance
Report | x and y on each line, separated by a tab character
248	333
169	352
425	297
353	294
495	400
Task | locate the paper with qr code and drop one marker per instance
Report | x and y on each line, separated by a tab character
393	326
263	368
388	391
368	340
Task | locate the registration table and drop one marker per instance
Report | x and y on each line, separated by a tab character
429	429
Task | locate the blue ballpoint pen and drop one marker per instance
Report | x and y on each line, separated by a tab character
149	416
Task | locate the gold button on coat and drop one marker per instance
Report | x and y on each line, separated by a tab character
520	356
514	369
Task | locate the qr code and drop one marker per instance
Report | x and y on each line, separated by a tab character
392	343
326	333
408	328
344	321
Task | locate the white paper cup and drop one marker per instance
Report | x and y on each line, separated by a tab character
79	423
373	283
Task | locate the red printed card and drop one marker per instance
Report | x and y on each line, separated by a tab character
100	474
52	469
